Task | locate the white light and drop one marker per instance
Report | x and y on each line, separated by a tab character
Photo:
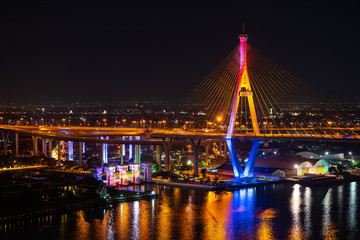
296	166
326	153
274	152
350	153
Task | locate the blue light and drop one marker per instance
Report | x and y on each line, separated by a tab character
71	151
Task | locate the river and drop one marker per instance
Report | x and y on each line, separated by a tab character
279	211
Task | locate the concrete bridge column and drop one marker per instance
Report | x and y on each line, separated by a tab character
137	151
237	168
158	154
35	145
207	146
63	146
124	146
195	145
104	153
71	150
121	154
249	168
130	148
225	149
16	144
167	146
50	148
6	138
80	153
59	152
43	146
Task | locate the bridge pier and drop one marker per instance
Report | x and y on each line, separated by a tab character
59	152
71	150
50	148
121	154
195	145
130	148
238	171
207	146
43	146
35	145
249	168
137	150
158	155
167	148
80	153
16	144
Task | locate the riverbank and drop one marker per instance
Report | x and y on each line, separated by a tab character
228	185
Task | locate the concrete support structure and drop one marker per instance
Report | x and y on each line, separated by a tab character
83	147
124	146
195	145
167	147
43	146
130	148
16	144
59	152
71	150
122	153
158	154
50	148
249	168
207	146
238	171
137	151
80	153
35	145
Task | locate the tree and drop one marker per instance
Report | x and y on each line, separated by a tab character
332	169
356	165
93	162
340	168
203	172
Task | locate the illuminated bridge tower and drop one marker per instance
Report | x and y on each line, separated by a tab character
243	89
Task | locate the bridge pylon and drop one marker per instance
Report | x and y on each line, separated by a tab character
243	89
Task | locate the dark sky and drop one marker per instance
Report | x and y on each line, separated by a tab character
96	51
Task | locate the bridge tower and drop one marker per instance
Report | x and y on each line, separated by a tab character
243	89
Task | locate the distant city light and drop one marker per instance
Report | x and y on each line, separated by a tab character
296	166
326	153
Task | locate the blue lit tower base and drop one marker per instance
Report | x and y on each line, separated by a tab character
249	167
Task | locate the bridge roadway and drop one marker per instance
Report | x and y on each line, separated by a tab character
155	136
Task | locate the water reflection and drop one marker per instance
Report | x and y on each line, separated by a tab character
284	211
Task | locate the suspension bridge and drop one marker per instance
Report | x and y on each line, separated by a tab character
247	91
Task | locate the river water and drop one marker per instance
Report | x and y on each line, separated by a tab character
281	211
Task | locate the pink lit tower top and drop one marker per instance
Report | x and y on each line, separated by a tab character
243	89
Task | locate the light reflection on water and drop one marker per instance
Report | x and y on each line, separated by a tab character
284	211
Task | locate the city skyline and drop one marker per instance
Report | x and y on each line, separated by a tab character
136	52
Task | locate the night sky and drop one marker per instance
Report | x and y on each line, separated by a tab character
96	51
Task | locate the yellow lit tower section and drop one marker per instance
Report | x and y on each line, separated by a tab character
243	89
